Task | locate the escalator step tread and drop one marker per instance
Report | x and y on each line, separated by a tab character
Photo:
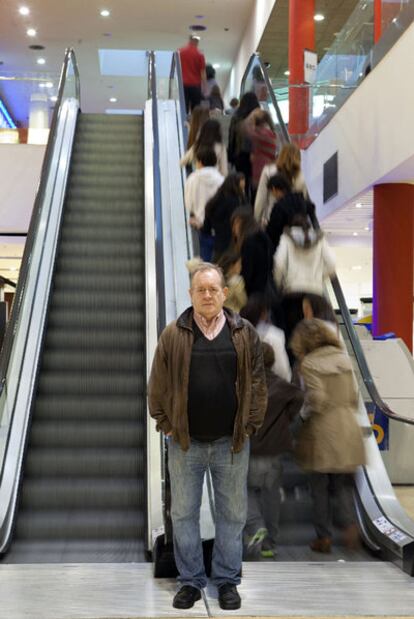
94	434
83	493
80	524
102	383
93	361
93	407
85	462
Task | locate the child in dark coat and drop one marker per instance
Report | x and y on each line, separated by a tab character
265	466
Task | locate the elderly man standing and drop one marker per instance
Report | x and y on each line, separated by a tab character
207	393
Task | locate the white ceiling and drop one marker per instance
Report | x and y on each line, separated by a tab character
351	225
132	25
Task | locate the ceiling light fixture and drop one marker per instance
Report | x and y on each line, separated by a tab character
41	61
357	267
358	205
113	100
105	13
49	84
54	98
287	72
31	32
355	234
216	65
366	228
318	17
24	10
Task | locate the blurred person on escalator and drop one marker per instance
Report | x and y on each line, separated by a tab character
199	187
239	148
220	208
302	262
288	165
193	67
210	136
265	465
330	444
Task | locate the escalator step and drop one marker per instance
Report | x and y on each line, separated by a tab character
99	282
69	338
63	318
112	236
113	303
100	248
87	264
114	207
97	192
77	383
80	524
54	493
100	219
93	361
91	407
85	462
91	434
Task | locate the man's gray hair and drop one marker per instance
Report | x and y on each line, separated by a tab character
207	266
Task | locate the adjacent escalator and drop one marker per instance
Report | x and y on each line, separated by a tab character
83	488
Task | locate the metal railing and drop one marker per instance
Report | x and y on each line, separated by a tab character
353	338
69	60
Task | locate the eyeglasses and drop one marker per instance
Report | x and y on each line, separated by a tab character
202	291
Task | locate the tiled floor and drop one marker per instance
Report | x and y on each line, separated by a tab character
127	591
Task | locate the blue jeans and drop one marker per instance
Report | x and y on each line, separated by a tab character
229	478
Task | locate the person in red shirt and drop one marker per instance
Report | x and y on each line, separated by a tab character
193	67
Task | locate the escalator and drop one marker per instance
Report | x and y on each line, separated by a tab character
74	454
386	530
83	488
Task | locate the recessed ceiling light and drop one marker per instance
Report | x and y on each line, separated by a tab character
24	10
105	13
358	205
113	100
355	234
49	84
54	98
366	228
42	85
41	61
318	17
31	32
287	72
216	65
357	267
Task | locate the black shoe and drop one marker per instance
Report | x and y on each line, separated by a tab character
228	597
186	597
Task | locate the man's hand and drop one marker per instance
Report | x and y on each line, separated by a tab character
194	223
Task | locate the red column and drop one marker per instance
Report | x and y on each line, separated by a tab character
377	20
393	244
301	37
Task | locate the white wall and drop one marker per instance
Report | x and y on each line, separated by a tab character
373	132
249	43
20	166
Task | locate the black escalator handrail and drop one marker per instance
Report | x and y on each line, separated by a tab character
255	59
35	217
360	357
159	251
4	280
353	338
176	69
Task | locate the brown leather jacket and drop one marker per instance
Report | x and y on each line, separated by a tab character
168	383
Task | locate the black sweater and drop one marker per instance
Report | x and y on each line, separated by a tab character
283	213
212	399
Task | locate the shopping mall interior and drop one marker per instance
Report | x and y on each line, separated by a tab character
92	113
